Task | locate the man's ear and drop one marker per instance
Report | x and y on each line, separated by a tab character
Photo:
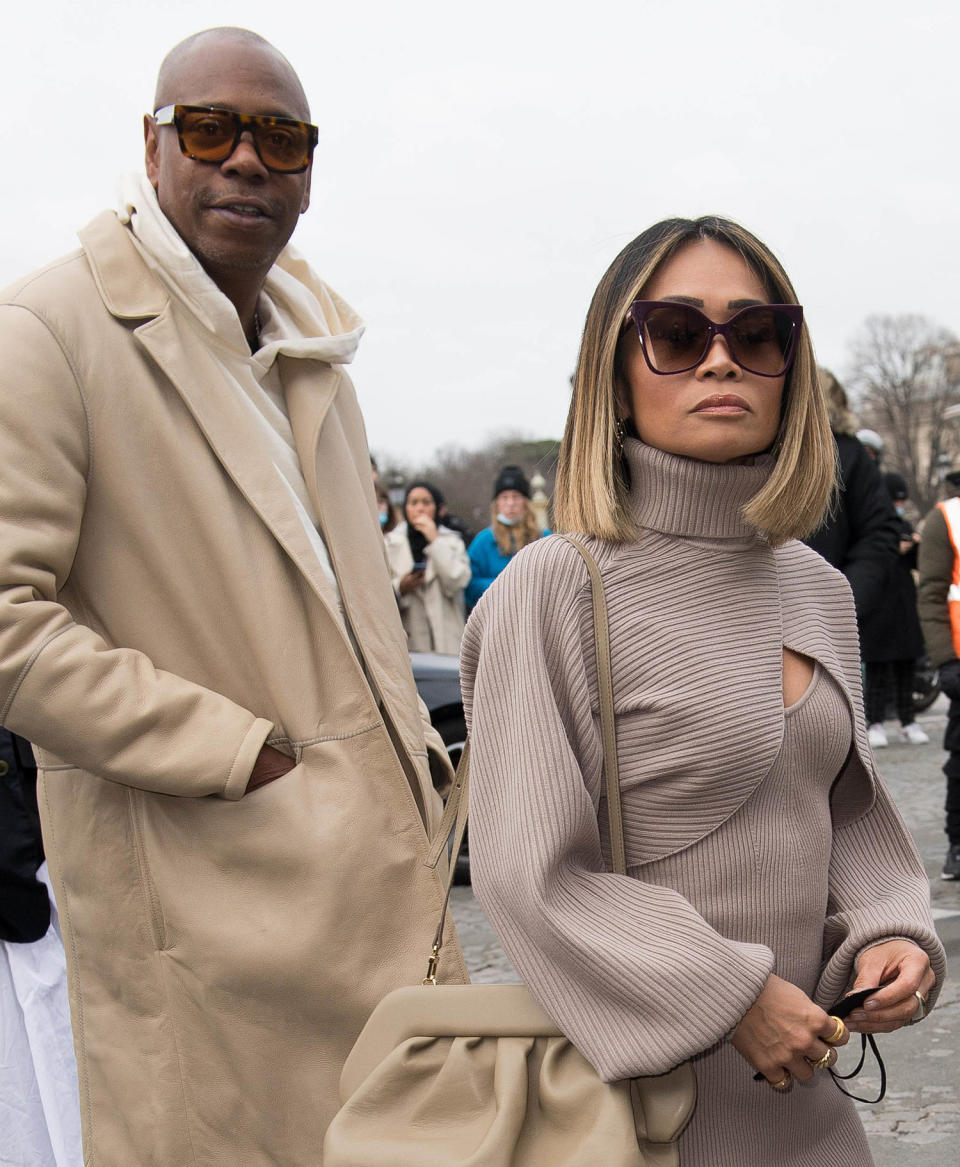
152	142
305	201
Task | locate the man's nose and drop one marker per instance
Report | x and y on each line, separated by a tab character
245	160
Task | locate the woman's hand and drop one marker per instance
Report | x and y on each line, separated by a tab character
410	582
426	526
903	969
781	1030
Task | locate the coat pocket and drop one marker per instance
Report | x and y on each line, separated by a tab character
148	889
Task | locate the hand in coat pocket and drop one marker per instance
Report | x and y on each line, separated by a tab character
269	766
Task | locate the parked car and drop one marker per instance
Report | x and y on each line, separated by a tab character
438	683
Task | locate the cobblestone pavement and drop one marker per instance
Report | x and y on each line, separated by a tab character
918	1123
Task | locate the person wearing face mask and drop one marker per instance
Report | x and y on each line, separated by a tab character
430	570
386	511
513	526
767	873
890	636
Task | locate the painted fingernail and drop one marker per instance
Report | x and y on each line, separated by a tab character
871	1005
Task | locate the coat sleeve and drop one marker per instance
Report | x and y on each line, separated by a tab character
103	708
874	533
935	564
632	974
399	562
878	890
449	560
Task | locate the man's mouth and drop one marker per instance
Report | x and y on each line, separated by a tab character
248	208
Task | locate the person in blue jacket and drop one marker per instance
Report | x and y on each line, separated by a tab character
513	525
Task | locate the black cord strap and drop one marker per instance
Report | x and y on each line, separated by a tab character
838	1078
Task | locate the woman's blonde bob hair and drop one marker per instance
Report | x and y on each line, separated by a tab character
592	475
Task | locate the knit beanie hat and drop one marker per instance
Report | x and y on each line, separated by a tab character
896	486
511	478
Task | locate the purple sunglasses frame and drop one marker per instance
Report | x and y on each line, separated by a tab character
640	310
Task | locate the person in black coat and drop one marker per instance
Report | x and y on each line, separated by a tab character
861	534
24	903
890	636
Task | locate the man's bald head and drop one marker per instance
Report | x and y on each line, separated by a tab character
235	214
181	65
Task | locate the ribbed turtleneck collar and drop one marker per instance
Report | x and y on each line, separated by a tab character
683	496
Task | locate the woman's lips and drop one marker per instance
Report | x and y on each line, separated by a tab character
722	403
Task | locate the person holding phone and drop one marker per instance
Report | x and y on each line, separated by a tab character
769	874
430	570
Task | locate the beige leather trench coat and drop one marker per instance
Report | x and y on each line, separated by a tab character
162	615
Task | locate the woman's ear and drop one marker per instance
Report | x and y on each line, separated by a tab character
621	399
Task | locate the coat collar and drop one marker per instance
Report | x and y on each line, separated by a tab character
126	285
131	291
327	439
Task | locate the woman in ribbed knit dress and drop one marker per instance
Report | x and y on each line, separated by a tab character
768	871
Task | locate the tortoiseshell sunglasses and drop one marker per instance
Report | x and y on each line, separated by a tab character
207	134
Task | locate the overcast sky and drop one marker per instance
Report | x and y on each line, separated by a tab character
480	165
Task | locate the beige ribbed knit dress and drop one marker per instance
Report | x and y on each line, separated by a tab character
758	839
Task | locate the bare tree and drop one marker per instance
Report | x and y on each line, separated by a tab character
905	375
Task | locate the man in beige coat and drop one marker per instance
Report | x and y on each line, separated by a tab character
198	633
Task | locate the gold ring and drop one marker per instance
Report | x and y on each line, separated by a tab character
821	1063
921	1007
783	1084
837	1036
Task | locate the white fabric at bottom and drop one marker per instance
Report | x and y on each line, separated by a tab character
39	1101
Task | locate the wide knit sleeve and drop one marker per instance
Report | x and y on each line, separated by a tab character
632	974
878	890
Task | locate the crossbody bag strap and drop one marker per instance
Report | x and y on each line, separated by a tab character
456	809
608	732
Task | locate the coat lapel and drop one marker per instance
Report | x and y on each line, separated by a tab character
341	489
234	439
131	291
